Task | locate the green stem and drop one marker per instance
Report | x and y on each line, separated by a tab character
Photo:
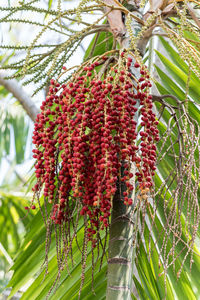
121	249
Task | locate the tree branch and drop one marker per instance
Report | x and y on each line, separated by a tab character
115	19
14	88
161	97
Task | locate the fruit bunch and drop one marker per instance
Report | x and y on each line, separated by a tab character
86	133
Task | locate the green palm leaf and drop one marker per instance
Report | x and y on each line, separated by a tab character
31	256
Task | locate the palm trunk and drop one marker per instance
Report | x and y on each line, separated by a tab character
122	239
121	249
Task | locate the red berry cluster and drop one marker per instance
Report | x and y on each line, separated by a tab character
84	133
149	134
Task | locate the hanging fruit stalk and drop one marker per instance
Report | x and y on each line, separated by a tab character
85	130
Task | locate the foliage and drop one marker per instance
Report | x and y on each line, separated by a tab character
14	144
45	65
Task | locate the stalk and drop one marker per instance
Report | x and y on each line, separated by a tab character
123	228
121	251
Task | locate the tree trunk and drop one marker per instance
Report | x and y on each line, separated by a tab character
122	239
121	248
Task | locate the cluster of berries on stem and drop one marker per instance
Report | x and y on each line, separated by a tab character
86	133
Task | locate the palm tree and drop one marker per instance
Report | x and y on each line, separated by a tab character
153	241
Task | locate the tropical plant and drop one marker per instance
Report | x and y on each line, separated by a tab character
117	218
